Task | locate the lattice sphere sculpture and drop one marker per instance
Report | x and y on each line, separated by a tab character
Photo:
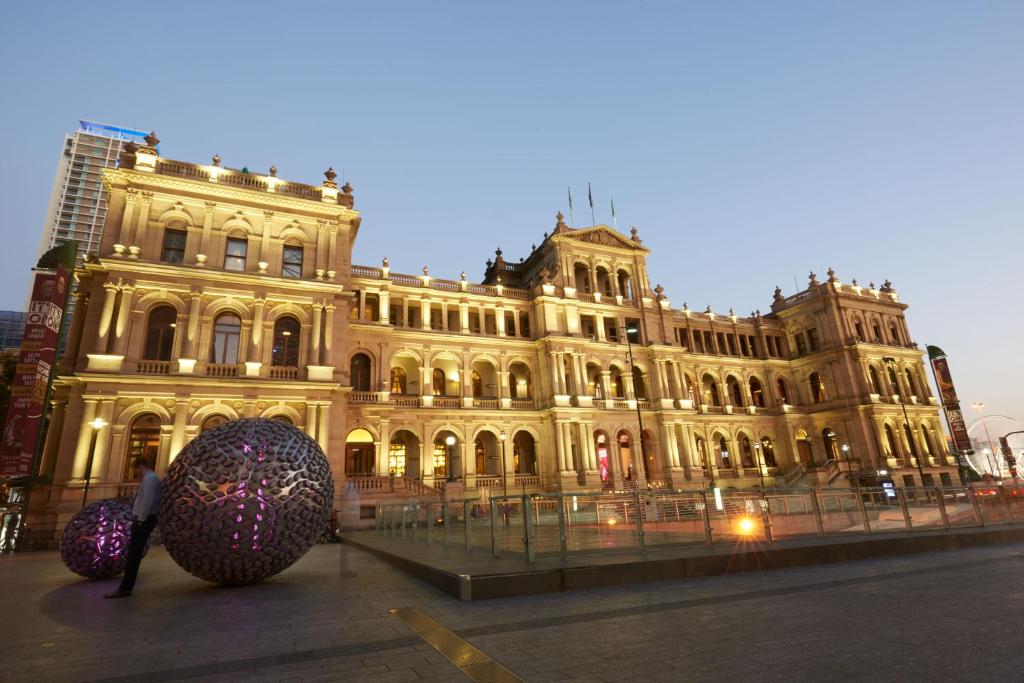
95	542
245	500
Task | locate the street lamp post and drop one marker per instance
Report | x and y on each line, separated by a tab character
980	407
639	415
504	468
450	465
760	464
908	431
97	424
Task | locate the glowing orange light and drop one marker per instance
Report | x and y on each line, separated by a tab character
746	525
611	522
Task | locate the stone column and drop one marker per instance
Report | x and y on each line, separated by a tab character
606	385
314	335
464	317
192	328
205	241
145	201
310	426
178	432
268	217
84	438
499	320
570	465
323	429
131	197
123	318
106	317
54	433
256	346
328	333
559	445
384	298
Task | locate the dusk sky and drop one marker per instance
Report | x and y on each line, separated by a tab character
750	144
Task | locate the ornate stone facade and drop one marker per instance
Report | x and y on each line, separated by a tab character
221	294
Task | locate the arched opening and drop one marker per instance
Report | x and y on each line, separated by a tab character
876	385
447	463
724	459
702	453
768	452
890	442
519	381
911	384
581	278
625	443
926	442
160	333
893	382
756	392
604	281
524	453
213	421
281	417
709	391
618	388
143	442
487	451
484	379
649	455
909	434
735	392
783	391
747	452
227	333
639	384
359	372
360	454
625	284
405	373
594	385
404	455
817	387
604	463
285	352
831	443
804	448
444	378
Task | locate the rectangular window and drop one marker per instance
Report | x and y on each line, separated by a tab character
732	344
801	345
744	346
291	262
234	254
633	330
720	338
174	246
812	339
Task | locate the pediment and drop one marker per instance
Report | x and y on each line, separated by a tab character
606	237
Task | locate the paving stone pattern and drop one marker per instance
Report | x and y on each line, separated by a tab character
951	615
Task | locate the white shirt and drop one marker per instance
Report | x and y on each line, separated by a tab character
148	496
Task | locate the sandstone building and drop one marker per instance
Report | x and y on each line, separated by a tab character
219	294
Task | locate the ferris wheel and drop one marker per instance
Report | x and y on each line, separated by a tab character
984	433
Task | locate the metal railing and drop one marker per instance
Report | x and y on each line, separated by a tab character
563	524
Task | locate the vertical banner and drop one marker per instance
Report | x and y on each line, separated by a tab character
34	371
950	402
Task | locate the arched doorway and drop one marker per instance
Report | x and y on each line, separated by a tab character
404	455
285	349
487	454
447	462
524	453
625	442
804	450
604	463
747	452
652	463
359	372
360	454
143	442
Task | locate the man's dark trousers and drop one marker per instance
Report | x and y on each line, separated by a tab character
136	548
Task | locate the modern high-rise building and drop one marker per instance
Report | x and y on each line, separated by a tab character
78	203
12	328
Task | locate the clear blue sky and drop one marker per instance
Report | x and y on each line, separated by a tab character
749	143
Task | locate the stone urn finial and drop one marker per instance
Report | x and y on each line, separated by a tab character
330	174
273	171
152	140
216	160
635	234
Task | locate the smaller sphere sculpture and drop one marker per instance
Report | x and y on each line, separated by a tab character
95	542
245	500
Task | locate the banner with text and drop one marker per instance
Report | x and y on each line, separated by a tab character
33	373
947	392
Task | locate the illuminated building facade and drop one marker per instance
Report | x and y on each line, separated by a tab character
218	294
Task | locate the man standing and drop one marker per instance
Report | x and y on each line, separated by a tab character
143	523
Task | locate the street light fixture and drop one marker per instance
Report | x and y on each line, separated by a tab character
760	464
450	465
96	424
908	431
504	469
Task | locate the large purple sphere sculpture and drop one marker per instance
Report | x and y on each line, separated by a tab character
245	500
95	542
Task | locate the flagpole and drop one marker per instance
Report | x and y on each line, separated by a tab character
571	221
615	223
590	197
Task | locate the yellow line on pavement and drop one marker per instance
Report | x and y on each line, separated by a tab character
470	660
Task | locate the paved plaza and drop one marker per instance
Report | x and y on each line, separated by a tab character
949	615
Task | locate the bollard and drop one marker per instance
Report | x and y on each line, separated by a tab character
706	516
902	498
819	526
561	525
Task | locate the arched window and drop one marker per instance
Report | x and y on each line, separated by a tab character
143	442
359	372
817	387
581	277
396	458
909	433
478	383
768	453
437	382
625	285
227	332
828	437
893	382
702	452
747	452
710	390
926	441
213	421
397	380
160	333
780	384
757	392
911	384
617	389
285	352
890	442
876	385
723	452
735	393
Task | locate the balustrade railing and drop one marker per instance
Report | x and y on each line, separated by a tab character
153	367
221	370
364	397
405	400
522	404
447	402
284	372
489	403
